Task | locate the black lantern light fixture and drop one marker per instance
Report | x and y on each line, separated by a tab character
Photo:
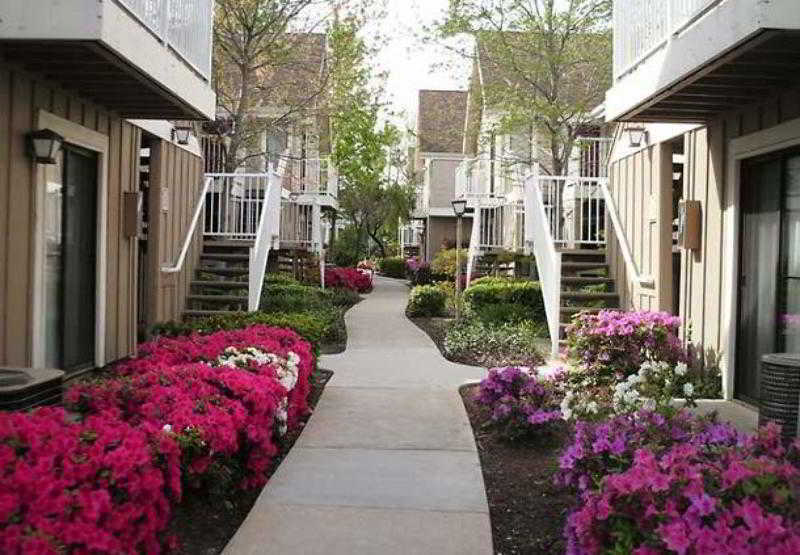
459	207
181	133
43	145
637	136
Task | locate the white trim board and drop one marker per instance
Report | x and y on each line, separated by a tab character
779	137
91	140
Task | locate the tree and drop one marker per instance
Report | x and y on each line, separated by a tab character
371	196
546	64
262	52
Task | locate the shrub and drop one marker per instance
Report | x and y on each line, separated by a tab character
315	327
224	396
293	298
94	486
695	496
612	344
348	278
394	267
427	300
519	402
653	387
348	248
445	262
505	301
494	345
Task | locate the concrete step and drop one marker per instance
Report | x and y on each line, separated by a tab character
222	284
589	296
582	255
225	257
206	313
224	271
218	298
574	268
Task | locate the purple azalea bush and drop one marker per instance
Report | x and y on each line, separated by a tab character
652	483
613	344
520	403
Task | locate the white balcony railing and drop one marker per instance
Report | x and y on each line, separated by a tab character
297	225
315	176
234	205
641	27
484	177
185	26
575	209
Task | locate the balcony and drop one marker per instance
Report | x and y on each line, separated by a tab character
690	60
487	179
312	180
144	59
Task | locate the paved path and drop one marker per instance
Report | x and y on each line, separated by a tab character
387	464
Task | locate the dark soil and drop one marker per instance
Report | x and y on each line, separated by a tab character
204	524
527	509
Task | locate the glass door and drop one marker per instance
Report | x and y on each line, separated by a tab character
70	261
769	280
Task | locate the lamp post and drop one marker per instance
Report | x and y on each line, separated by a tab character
459	207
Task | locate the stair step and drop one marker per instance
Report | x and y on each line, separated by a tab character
224	271
218	298
207	313
589	296
582	252
236	244
577	309
225	257
586	280
220	284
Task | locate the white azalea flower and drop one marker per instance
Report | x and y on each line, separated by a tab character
167	428
681	369
688	389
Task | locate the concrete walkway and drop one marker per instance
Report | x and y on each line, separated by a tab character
387	464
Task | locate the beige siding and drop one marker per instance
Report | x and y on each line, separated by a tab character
22	96
640	200
444	228
443	182
702	296
180	173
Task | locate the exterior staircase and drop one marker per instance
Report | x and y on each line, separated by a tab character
221	279
585	285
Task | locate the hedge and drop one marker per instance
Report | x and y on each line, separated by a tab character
503	301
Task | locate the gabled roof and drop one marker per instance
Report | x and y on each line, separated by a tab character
440	121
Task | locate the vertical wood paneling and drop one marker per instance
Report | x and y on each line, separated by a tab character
112	265
5	231
18	257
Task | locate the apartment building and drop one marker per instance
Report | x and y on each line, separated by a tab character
99	172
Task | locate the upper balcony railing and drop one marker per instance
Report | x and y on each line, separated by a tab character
185	26
316	176
641	27
485	177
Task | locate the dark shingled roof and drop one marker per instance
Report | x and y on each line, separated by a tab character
440	122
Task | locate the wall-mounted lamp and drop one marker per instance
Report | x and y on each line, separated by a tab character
43	145
181	133
459	207
637	136
293	196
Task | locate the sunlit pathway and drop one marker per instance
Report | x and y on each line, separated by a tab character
387	464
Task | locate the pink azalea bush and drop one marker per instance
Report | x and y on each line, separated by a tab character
612	345
650	483
348	278
95	486
520	403
223	416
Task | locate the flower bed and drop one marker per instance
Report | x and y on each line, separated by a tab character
348	278
198	411
682	485
613	344
96	486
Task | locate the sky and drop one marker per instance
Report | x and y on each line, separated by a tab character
408	61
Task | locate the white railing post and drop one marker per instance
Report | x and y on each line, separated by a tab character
548	259
474	242
259	252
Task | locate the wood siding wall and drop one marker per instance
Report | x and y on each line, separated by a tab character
176	176
22	96
635	184
702	286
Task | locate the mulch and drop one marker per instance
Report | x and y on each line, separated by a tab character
528	510
204	524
